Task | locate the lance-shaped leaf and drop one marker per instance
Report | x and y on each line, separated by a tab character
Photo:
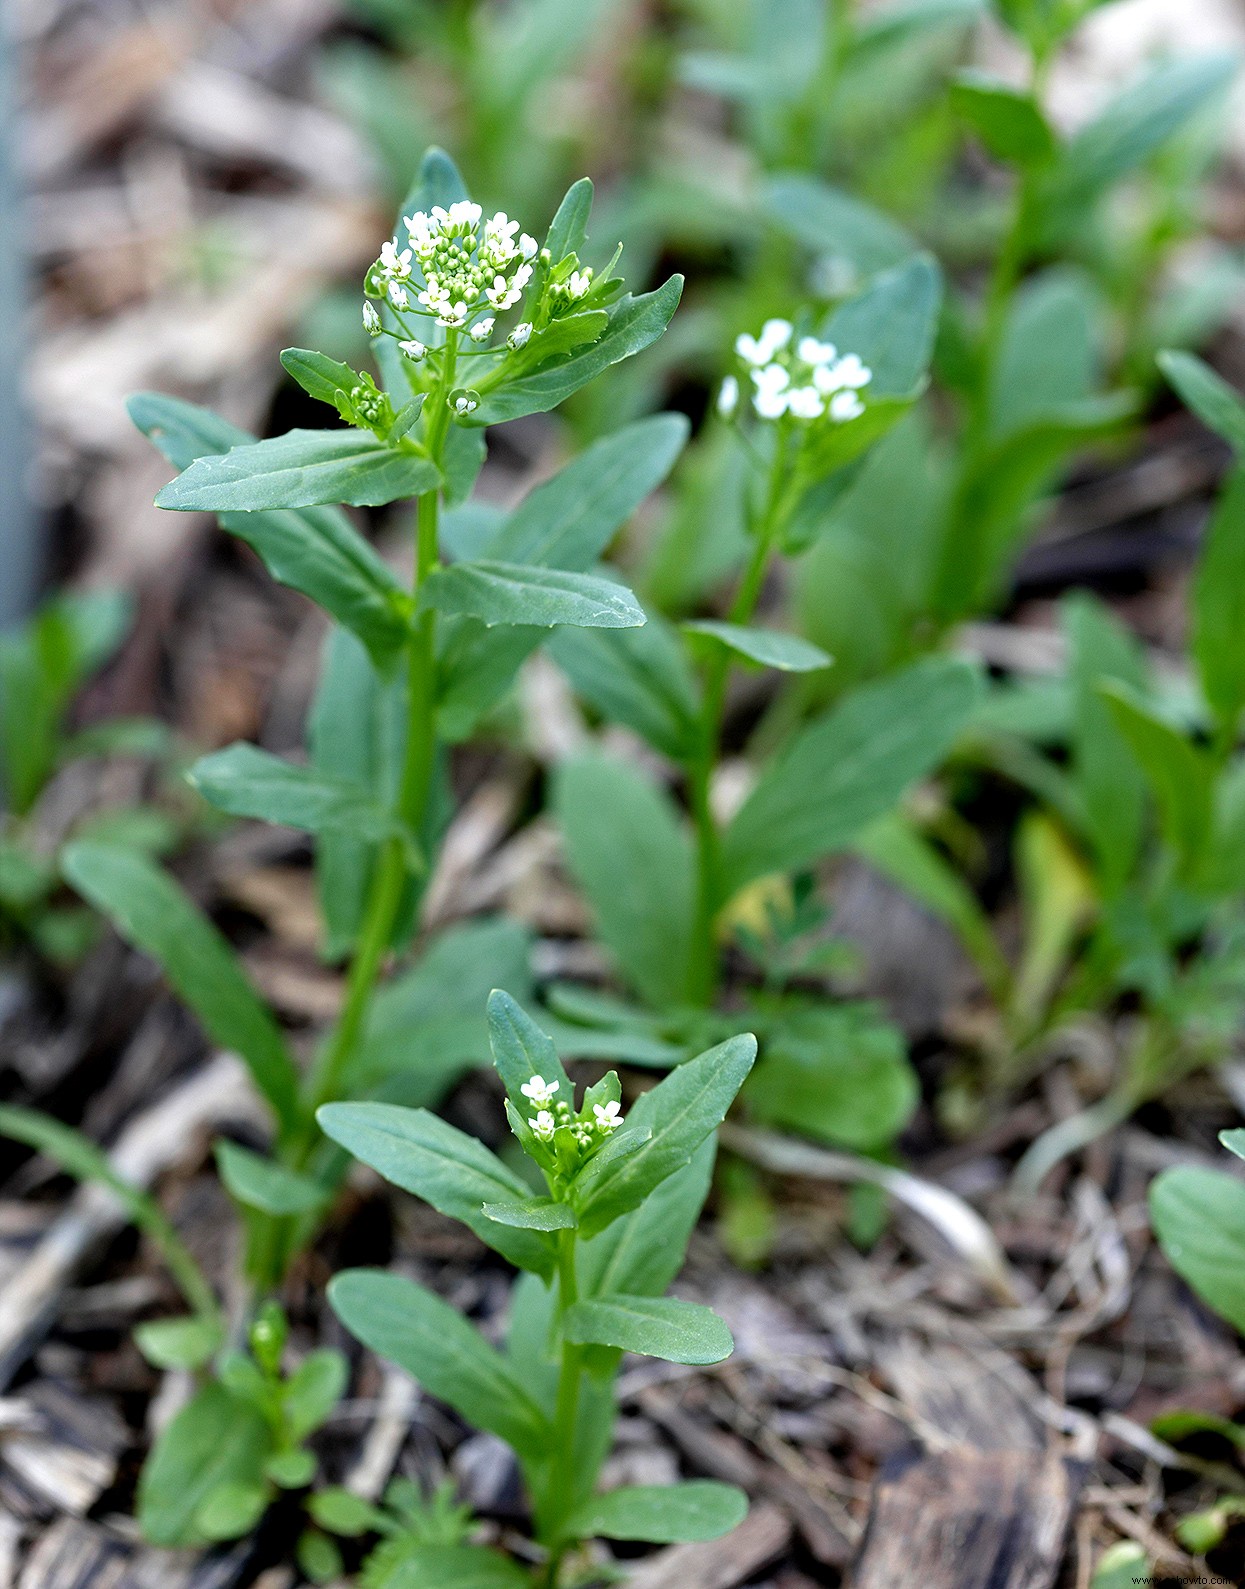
1219	605
537	1213
679	1332
1009	123
847	768
1199	1218
217	1440
1209	396
456	1173
633	324
303	468
640	677
257	1182
662	1514
415	1329
315	550
770	647
891	325
151	912
318	375
1179	773
249	782
522	1052
568	231
836	223
663	1130
512	593
570	520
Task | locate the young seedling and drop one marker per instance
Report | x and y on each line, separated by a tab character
598	1244
43	667
473	322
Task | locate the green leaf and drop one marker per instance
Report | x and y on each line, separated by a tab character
303	468
537	1213
79	1157
438	181
249	782
456	1173
513	593
232	1510
180	1343
342	1512
313	1390
568	231
1219	606
1049	358
770	647
1109	782
836	1073
216	1440
1234	1141
316	551
521	1051
679	1332
570	520
1009	123
640	677
152	913
455	1567
641	1253
1132	128
1215	403
836	223
631	854
257	1182
891	325
665	1514
291	1470
634	323
318	375
664	1128
1199	1218
428	1025
848	768
477	665
419	1332
1178	772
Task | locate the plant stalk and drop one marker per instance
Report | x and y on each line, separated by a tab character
566	1412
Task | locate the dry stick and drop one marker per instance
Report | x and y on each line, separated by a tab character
147	1147
961	1226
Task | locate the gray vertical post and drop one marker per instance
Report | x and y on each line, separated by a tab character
19	556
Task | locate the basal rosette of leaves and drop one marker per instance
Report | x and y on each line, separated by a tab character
409	670
598	1226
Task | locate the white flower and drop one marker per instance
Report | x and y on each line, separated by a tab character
814	352
413	350
482	330
464	403
521	335
845	405
398	265
397	295
751	351
540	1091
528	246
851	372
775	334
542	1125
608	1116
771	397
805	402
728	397
580	283
371	320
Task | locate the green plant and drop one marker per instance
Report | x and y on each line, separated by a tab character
668	894
598	1244
408	673
43	667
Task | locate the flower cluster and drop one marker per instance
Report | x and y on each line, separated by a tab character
465	267
572	1137
806	381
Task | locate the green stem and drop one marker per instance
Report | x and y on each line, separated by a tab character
704	967
566	1412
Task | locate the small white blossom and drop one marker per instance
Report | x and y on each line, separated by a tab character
371	320
845	405
397	295
771	397
521	335
482	330
608	1116
542	1125
851	372
396	264
465	404
580	283
814	352
413	350
728	397
776	334
805	402
540	1091
528	246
